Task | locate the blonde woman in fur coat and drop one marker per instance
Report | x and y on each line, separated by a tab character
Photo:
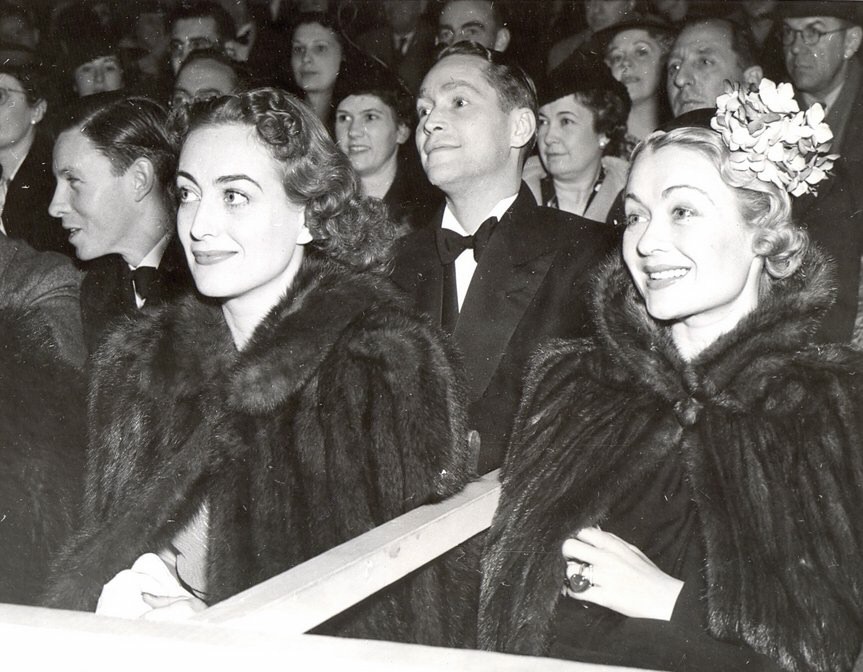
685	491
293	404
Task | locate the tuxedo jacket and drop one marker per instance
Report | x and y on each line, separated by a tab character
531	284
107	295
25	214
416	61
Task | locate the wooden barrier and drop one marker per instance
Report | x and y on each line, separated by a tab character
264	626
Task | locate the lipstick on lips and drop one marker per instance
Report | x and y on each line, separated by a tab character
660	277
211	257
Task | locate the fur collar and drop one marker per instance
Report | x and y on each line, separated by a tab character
186	348
641	349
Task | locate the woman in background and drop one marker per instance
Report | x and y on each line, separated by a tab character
636	51
295	403
683	492
374	121
318	54
580	135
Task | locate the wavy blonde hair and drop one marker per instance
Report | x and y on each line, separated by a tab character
763	205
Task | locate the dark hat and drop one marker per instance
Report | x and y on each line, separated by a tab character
579	73
650	22
16	56
849	10
364	74
90	48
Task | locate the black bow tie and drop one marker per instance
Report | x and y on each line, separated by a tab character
450	244
144	277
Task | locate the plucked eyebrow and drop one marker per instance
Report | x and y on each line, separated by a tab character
689	187
184	174
224	179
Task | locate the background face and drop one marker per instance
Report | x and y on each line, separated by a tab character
316	56
201	80
368	133
568	142
17	116
190	34
635	59
467	20
819	68
101	74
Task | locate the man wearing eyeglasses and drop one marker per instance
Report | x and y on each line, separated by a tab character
820	41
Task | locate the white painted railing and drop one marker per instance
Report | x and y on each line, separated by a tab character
264	626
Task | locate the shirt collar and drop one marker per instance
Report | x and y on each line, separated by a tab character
154	257
450	222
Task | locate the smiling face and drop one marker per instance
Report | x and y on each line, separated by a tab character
369	133
101	74
464	136
635	58
93	202
316	57
820	68
700	62
238	227
568	142
686	245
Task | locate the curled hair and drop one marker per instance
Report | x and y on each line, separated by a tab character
763	206
124	128
344	225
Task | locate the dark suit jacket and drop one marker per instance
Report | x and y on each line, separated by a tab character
107	295
25	214
415	63
531	284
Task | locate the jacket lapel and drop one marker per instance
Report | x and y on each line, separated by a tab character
510	273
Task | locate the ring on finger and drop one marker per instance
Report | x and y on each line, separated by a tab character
579	576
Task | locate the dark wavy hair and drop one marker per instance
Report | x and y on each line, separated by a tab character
124	128
344	225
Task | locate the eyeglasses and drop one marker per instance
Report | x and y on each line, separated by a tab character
811	35
4	94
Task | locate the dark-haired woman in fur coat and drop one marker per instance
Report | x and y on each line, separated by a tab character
294	405
685	492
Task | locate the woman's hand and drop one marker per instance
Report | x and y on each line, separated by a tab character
623	578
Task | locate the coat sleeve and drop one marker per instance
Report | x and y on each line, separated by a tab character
393	409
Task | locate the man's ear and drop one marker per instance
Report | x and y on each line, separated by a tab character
38	113
523	127
853	37
403	132
143	176
753	75
501	39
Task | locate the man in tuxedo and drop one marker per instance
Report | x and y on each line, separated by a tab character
528	275
406	44
113	164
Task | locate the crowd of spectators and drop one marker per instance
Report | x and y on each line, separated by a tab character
294	247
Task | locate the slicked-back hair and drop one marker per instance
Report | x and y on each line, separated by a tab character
198	9
124	128
315	173
514	87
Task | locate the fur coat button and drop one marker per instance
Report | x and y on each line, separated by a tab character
687	411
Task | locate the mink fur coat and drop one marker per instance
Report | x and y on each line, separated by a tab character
769	430
343	411
42	441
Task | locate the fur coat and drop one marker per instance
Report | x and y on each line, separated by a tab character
343	411
769	430
42	440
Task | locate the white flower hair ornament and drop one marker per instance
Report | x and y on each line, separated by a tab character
769	136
